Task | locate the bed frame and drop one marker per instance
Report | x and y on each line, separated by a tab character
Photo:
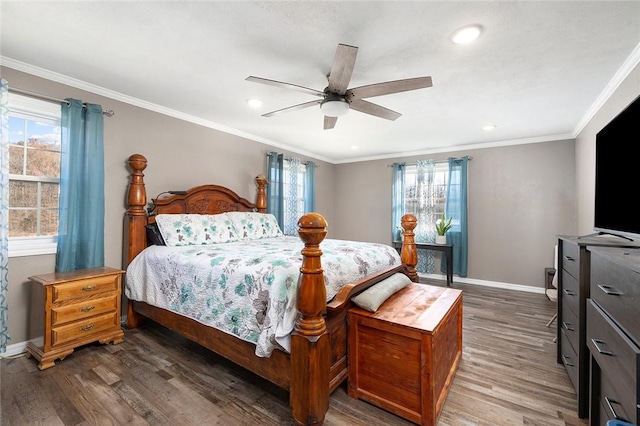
317	363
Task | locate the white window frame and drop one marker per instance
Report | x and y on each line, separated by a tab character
24	105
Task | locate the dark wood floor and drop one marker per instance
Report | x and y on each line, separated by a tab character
508	376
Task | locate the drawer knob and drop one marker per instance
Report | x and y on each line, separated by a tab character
87	327
88	287
567	360
88	308
611	291
597	343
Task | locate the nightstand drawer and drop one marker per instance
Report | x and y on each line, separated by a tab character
78	311
84	288
81	330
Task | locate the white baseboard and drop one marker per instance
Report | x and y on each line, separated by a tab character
496	284
20	348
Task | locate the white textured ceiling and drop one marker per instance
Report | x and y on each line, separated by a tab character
537	72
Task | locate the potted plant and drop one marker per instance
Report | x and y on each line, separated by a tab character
442	226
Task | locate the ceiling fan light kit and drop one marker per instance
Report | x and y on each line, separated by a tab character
335	107
338	99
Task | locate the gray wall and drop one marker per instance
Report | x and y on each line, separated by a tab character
520	198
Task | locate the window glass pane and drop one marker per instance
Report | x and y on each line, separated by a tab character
49	195
43	163
49	222
43	135
16	160
22	223
16	130
23	194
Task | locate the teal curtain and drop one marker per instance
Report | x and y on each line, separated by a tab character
4	215
456	208
397	200
275	189
310	187
81	216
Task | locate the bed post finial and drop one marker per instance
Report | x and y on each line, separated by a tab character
261	197
310	348
409	253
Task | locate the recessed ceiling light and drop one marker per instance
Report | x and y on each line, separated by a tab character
466	34
254	103
488	127
354	147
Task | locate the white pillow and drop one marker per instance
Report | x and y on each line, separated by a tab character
374	296
254	225
196	229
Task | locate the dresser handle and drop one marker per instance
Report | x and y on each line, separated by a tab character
611	291
87	327
597	343
567	326
569	258
88	308
610	403
89	287
567	361
568	292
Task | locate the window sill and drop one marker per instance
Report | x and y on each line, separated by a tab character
19	247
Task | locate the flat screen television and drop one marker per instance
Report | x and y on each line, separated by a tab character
618	175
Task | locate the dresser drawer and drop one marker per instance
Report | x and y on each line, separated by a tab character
569	323
83	330
616	355
610	403
84	288
569	358
570	292
88	308
571	258
617	291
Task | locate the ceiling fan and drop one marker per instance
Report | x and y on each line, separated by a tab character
337	99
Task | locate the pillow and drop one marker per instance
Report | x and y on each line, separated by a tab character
154	237
254	225
195	229
374	296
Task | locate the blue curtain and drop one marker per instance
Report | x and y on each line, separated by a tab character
310	187
4	215
275	189
397	200
81	217
456	208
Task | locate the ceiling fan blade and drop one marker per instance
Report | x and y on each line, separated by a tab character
329	122
293	108
374	109
285	85
342	68
389	87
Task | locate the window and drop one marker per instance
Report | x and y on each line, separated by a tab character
435	192
34	175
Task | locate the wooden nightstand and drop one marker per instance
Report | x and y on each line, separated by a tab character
81	307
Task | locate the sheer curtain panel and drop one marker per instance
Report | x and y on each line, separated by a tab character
4	215
81	217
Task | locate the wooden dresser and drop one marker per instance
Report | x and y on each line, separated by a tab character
404	356
574	266
81	307
613	335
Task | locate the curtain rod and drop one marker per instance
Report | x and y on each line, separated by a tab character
108	113
290	158
437	162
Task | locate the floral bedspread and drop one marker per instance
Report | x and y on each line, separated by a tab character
246	288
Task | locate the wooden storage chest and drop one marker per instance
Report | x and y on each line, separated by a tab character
403	357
